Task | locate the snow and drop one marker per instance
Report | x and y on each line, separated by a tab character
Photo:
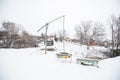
111	68
81	50
33	64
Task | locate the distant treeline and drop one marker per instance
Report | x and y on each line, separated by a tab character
13	35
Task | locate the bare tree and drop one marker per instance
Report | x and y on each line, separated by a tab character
118	36
86	26
2	38
79	34
112	22
115	27
61	35
12	33
98	31
88	30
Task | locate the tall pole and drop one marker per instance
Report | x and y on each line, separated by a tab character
46	38
63	33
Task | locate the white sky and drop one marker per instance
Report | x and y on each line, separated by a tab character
33	14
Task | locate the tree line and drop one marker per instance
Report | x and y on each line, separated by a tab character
87	31
13	35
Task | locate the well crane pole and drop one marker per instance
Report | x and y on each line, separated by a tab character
46	25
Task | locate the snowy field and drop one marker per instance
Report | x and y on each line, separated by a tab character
32	64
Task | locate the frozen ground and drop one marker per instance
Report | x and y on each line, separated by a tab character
32	64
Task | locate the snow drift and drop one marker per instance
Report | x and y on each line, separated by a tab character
32	64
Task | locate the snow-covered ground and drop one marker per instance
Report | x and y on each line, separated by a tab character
81	50
32	64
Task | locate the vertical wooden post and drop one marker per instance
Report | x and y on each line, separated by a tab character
63	33
46	38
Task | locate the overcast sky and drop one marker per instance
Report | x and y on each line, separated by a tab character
33	14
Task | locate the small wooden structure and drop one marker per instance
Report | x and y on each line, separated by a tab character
88	62
50	43
49	46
